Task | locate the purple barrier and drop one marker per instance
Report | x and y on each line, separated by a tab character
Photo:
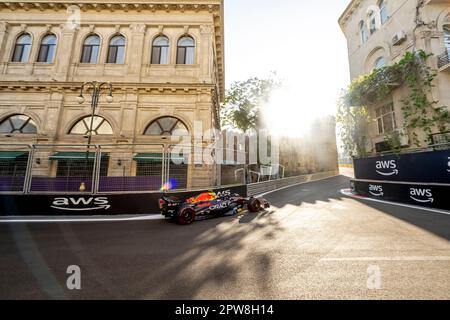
11	183
60	184
127	184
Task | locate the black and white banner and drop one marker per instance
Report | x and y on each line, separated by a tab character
428	195
87	205
429	167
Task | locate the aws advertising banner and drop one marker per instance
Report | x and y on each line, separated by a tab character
432	196
86	205
428	167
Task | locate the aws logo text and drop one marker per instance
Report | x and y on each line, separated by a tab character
376	190
81	204
387	168
421	195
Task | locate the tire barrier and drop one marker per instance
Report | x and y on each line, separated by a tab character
420	194
423	167
100	204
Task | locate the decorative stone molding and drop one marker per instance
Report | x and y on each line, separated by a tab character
4	26
206	29
138	28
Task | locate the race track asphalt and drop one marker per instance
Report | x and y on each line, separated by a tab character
313	244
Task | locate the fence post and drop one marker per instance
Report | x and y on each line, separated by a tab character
96	170
28	172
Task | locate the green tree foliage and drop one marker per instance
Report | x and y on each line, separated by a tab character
243	101
419	112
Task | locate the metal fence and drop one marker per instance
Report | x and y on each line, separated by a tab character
115	168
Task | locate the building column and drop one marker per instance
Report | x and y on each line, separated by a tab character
135	50
3	38
66	46
206	41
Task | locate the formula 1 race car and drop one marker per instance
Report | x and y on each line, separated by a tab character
208	205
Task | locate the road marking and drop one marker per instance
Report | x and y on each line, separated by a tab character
430	258
60	219
348	193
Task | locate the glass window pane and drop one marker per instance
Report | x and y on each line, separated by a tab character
186	42
161	41
117	41
92	40
164	55
153	130
43	53
30	128
95	122
120	55
25	53
24	39
105	128
5	127
79	128
181	55
18	121
51	53
155	55
167	123
190	54
17	56
50	39
94	54
112	55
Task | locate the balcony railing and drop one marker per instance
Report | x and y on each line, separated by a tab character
444	59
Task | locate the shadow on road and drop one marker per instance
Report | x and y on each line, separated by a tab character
436	223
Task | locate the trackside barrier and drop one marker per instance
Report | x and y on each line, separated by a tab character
263	187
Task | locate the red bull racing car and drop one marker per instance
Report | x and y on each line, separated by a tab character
208	205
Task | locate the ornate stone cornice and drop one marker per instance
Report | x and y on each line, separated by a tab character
118	87
348	12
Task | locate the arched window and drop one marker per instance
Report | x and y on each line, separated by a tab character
18	123
363	32
22	48
383	11
99	126
166	126
372	22
447	37
116	50
47	49
380	63
160	50
186	50
91	48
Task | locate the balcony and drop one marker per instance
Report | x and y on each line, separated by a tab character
444	61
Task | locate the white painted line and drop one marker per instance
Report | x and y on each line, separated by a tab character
348	193
430	258
294	185
81	219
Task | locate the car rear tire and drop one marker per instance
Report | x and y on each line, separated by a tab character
186	216
254	205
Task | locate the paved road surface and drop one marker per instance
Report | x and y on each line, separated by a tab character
314	244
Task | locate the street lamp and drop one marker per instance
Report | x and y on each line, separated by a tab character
97	89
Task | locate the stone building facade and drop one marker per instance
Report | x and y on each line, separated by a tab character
164	59
378	33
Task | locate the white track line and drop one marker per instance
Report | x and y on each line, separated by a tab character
430	258
60	219
348	193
